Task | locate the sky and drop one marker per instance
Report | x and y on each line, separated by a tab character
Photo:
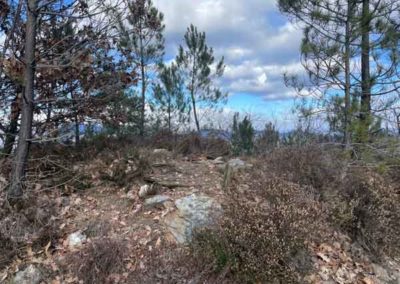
258	43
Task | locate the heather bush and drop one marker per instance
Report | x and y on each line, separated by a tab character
368	209
258	241
97	261
362	197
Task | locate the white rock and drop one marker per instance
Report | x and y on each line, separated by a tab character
30	275
156	200
219	160
76	239
146	190
193	212
236	165
161	151
131	195
381	273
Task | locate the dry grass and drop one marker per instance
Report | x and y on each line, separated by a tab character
257	241
33	224
97	261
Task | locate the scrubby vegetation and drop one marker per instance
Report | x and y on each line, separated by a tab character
120	164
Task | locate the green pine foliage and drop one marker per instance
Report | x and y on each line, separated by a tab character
242	136
196	61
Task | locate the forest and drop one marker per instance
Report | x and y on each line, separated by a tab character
125	159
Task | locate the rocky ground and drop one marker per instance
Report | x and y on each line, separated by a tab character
158	213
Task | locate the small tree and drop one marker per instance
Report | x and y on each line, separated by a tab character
142	42
169	95
242	136
196	62
269	138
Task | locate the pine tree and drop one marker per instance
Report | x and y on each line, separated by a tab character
242	135
169	95
196	61
342	31
142	42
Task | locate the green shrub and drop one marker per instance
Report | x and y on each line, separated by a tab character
242	136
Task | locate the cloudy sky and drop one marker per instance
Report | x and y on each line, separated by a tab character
259	45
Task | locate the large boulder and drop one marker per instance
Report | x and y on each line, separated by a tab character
30	275
192	212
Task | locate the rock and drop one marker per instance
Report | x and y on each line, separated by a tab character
146	190
3	182
131	194
193	212
219	161
161	151
238	164
156	200
30	275
76	239
235	164
381	273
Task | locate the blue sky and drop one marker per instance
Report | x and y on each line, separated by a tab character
258	43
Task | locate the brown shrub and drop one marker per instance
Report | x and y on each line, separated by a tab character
368	209
363	200
98	228
311	165
97	261
194	144
33	224
189	145
259	241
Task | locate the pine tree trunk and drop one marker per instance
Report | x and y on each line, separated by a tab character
12	129
143	74
347	114
195	113
77	132
143	102
21	155
365	69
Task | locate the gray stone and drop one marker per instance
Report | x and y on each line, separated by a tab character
146	190
235	165
76	239
381	273
30	275
156	200
193	212
161	151
219	161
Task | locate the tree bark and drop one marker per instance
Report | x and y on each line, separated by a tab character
347	101
143	74
15	190
12	129
365	68
195	113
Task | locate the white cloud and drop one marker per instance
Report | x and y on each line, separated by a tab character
258	43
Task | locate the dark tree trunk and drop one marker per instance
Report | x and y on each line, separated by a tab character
365	68
77	132
12	129
195	113
143	102
347	101
143	74
15	190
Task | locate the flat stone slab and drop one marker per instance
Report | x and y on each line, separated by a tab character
193	212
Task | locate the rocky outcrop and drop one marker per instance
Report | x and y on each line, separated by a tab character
192	212
30	275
